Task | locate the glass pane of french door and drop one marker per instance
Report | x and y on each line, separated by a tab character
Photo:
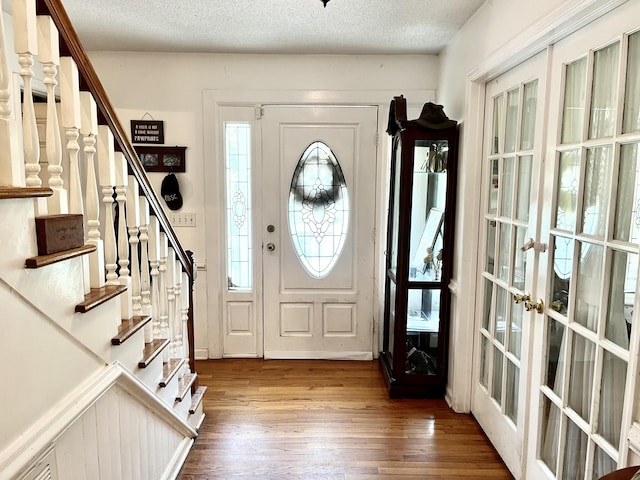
584	397
511	164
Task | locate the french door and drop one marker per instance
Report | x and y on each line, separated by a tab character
300	224
512	162
555	383
584	392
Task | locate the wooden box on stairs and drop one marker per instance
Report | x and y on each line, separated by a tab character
57	233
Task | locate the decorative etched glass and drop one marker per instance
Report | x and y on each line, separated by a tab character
318	210
238	205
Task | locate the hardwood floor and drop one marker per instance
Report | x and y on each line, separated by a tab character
329	420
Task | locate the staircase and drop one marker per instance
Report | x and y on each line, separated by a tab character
96	292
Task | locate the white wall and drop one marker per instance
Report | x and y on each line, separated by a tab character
170	87
492	26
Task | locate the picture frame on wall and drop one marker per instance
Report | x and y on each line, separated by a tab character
162	159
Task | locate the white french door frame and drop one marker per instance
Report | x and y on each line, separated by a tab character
213	102
559	23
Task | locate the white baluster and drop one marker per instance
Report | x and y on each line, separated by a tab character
177	325
171	300
154	262
70	105
49	55
145	286
89	130
11	163
25	36
122	180
133	223
185	321
162	288
107	177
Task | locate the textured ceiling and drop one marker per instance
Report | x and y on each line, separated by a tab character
269	26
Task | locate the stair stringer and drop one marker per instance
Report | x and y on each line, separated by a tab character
112	427
56	289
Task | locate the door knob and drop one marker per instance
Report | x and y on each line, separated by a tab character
521	297
271	247
537	306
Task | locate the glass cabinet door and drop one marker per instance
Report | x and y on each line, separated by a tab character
427	210
426	255
395	214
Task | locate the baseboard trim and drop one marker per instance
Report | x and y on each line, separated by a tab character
320	355
176	463
201	353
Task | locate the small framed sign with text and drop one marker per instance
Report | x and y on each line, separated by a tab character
162	159
147	131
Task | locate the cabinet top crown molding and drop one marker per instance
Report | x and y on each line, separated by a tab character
432	117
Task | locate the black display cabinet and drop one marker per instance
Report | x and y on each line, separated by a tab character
419	253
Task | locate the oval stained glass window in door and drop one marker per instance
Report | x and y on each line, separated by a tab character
318	210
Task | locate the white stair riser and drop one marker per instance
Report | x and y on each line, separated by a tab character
130	352
182	408
151	375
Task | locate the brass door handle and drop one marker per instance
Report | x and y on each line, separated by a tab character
519	298
537	306
271	247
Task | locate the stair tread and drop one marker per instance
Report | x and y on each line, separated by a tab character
184	385
98	296
24	192
128	327
152	350
170	369
196	399
44	260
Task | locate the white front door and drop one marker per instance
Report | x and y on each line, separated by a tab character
318	197
512	153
